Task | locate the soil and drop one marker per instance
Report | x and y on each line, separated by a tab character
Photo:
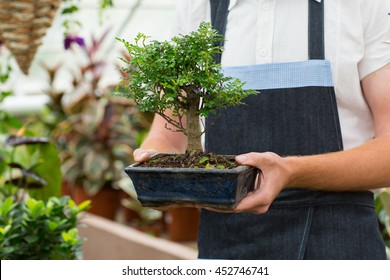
192	160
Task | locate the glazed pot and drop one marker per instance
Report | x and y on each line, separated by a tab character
167	187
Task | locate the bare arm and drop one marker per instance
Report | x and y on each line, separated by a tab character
160	139
361	168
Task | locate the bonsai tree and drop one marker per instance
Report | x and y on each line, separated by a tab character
182	76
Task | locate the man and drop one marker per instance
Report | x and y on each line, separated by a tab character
320	141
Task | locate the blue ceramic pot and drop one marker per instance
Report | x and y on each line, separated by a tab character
217	188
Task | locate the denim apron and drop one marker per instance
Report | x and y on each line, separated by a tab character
295	114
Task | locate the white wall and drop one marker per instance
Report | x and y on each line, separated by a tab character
152	17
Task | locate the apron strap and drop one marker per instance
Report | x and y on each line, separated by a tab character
316	46
316	30
219	13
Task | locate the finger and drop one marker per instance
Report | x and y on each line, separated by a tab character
256	159
250	158
252	206
242	159
257	201
142	155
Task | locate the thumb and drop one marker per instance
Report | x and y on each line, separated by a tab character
143	155
258	159
246	159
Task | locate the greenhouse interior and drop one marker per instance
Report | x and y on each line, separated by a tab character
68	134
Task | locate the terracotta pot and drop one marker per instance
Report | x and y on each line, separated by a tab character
105	203
155	229
182	223
66	189
129	215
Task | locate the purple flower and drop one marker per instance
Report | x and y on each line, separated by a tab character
69	40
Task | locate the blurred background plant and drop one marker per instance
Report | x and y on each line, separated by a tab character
69	10
34	222
25	159
382	201
34	229
94	131
53	122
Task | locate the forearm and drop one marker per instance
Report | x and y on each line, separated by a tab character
364	167
161	143
164	140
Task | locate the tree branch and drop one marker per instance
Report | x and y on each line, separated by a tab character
174	123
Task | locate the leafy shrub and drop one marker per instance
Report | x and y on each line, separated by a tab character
32	229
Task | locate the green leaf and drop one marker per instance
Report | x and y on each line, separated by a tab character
71	203
31	239
74	233
8	250
5	230
96	163
31	202
50	170
70	10
70	237
35	207
13	122
53	225
203	160
84	205
7	206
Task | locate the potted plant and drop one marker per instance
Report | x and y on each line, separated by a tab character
182	76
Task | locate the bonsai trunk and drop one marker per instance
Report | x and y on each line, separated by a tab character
193	125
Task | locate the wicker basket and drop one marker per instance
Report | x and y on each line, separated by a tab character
23	24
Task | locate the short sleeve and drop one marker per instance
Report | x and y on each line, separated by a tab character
376	28
189	14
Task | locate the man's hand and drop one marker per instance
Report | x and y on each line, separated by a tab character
273	177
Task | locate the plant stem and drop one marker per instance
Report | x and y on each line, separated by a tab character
193	126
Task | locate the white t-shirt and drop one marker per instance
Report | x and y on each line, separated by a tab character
357	42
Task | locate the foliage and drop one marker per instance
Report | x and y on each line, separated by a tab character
31	164
69	10
25	160
99	140
180	75
7	122
382	201
95	132
30	170
33	229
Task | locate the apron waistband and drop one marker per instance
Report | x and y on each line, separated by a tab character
304	198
